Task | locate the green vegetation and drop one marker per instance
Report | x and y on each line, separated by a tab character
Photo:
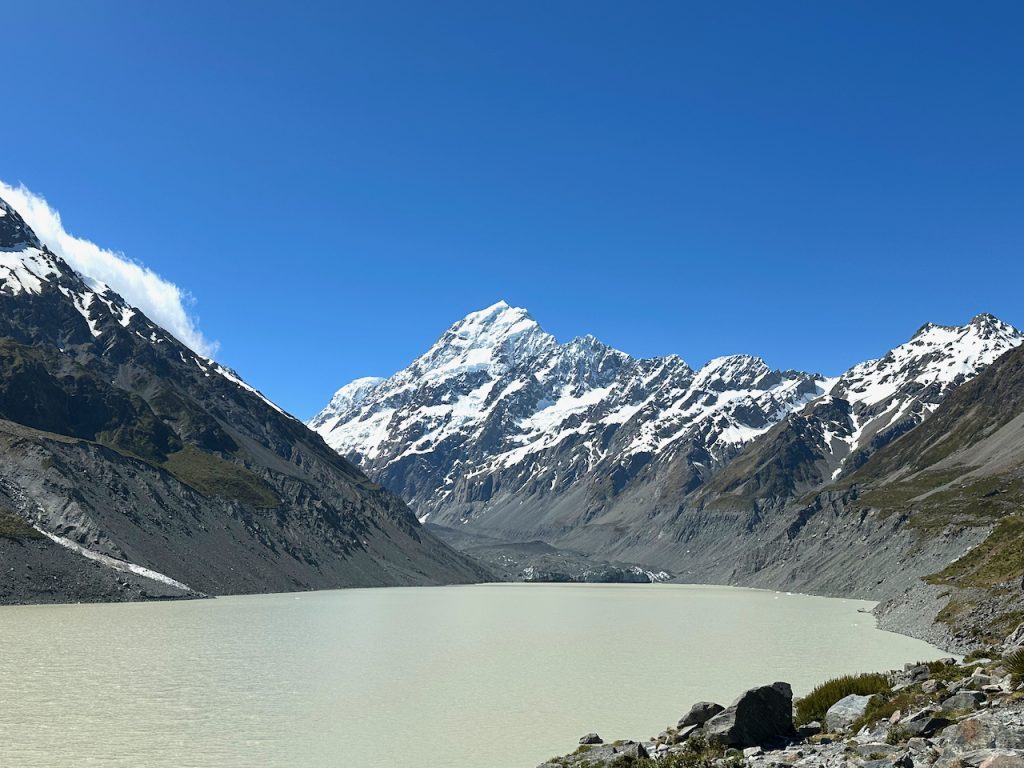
897	496
13	526
1014	663
213	476
937	499
998	559
815	704
977	653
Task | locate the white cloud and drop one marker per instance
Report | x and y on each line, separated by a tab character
162	301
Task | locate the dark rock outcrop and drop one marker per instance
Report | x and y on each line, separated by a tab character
760	717
700	713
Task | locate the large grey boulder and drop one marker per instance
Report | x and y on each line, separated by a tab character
760	717
700	713
964	700
924	723
843	713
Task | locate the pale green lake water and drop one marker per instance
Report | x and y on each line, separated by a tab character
485	676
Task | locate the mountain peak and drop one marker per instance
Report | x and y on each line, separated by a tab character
495	337
732	372
15	234
984	325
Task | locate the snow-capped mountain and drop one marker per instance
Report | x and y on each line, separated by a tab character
497	403
895	393
501	426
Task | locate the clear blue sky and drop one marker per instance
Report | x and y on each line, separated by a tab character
336	183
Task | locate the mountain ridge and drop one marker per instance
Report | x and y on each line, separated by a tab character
136	454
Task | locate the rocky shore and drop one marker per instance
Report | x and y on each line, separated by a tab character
941	714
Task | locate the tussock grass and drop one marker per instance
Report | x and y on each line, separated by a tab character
1014	663
815	704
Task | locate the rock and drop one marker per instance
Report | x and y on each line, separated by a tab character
685	732
810	729
964	700
601	755
631	749
932	686
753	752
1002	760
760	717
923	723
917	672
700	713
875	748
591	738
842	714
895	717
917	744
929	726
1016	638
978	733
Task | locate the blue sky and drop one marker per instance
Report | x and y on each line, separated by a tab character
336	183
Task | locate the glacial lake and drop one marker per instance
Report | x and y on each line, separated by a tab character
483	676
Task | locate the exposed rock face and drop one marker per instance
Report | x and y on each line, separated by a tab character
700	713
760	717
841	714
120	444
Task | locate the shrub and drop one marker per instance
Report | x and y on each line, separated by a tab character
815	704
977	653
1014	663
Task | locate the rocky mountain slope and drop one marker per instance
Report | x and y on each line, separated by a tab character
132	466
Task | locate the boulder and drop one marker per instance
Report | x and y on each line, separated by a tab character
685	732
760	717
809	729
842	714
932	686
700	713
917	673
926	726
964	700
591	738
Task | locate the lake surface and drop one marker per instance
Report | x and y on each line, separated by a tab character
485	676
